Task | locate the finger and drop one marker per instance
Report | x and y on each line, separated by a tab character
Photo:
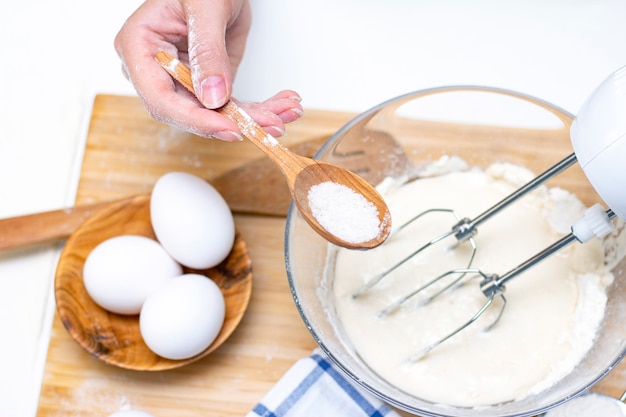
286	105
273	113
237	35
177	107
208	22
143	34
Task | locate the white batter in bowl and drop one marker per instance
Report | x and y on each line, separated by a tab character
560	302
481	126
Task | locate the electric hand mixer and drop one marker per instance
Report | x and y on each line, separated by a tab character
598	136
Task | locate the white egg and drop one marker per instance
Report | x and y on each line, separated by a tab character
183	317
122	271
191	220
131	413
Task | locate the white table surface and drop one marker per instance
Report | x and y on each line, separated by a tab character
340	55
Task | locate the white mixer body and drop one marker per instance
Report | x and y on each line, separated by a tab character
598	136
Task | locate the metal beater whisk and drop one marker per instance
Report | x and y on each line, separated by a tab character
598	136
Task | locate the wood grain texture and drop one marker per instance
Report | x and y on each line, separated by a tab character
257	187
125	153
46	227
301	173
116	339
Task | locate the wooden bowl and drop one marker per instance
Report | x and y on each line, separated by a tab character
114	338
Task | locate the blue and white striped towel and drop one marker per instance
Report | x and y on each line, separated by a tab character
313	386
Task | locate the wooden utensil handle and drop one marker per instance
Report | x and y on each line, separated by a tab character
238	186
44	227
290	163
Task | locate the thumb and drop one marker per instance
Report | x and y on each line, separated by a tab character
208	58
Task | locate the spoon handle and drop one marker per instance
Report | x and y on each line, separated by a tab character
238	186
290	163
46	227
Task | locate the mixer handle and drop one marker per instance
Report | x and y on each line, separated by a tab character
598	136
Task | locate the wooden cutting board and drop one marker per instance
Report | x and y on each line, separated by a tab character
126	152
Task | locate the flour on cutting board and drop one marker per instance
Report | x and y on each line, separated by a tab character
92	395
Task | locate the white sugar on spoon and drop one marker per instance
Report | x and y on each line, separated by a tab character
344	213
303	174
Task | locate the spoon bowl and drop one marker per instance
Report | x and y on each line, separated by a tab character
343	221
302	173
114	338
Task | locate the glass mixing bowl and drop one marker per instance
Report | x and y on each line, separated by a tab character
480	125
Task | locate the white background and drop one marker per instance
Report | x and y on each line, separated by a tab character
339	55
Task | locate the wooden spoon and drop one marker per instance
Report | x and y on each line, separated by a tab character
238	186
303	174
114	338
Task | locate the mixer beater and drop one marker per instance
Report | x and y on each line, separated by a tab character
598	136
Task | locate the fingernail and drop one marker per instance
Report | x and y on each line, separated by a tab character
213	92
298	112
291	115
275	131
228	136
296	98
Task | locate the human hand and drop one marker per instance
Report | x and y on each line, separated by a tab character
209	36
